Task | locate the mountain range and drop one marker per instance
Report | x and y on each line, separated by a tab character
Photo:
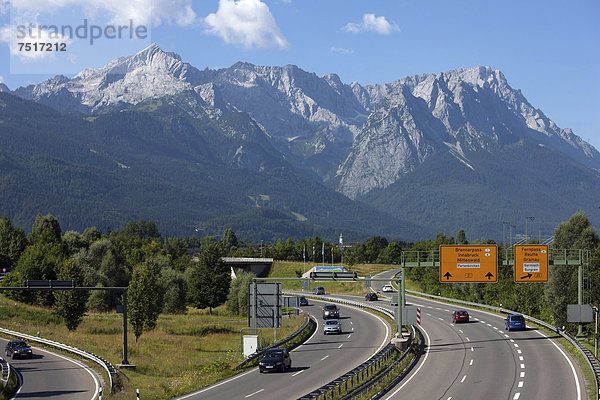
278	151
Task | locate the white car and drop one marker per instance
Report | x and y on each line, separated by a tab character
388	288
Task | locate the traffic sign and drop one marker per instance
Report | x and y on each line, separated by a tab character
531	263
469	263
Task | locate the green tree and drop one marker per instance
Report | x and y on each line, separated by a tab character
175	289
577	233
461	237
12	243
237	299
46	228
208	279
393	252
144	298
70	305
229	241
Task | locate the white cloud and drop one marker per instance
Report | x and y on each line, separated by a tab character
141	12
371	23
247	23
341	50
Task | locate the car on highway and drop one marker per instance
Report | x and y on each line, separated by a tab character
330	311
332	326
460	316
515	321
275	360
18	349
302	300
388	288
371	297
318	290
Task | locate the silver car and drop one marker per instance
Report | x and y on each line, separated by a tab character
332	326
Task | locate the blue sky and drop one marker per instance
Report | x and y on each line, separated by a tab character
548	49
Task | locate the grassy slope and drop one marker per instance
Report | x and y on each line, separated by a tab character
183	354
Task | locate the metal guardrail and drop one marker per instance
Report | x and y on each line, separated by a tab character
93	357
256	355
365	371
592	361
5	368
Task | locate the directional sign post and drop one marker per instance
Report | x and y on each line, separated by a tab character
469	263
531	263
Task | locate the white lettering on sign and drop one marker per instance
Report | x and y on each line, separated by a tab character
531	267
468	265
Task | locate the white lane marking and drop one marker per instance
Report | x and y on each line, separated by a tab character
569	361
472	349
252	394
461	331
325	357
522	366
418	369
516	345
520	384
512	340
573	371
490	325
429	315
447	310
483	322
517	395
495	328
441	319
85	367
299	372
471	363
522	375
463	379
449	398
340	346
505	335
352	329
519	351
350	322
349	336
468	340
520	358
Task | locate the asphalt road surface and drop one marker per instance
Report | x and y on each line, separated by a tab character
481	360
51	376
320	360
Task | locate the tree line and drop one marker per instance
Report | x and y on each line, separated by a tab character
166	275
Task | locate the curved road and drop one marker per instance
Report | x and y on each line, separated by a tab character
318	361
480	360
51	376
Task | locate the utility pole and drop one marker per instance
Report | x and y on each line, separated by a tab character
526	227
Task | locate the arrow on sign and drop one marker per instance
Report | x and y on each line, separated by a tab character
527	276
489	275
447	275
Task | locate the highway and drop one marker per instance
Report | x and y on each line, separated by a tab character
481	360
51	376
318	361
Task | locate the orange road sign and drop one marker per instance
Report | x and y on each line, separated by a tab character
469	263
531	263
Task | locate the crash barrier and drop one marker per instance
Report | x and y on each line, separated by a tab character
308	324
366	377
591	360
5	375
112	372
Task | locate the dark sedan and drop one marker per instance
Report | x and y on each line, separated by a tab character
18	349
275	360
460	316
371	297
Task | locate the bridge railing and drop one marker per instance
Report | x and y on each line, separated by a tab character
589	357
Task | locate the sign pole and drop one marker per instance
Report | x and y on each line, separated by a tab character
254	316
580	291
125	361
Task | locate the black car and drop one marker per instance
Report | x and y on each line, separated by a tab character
18	349
330	311
303	301
371	297
275	360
